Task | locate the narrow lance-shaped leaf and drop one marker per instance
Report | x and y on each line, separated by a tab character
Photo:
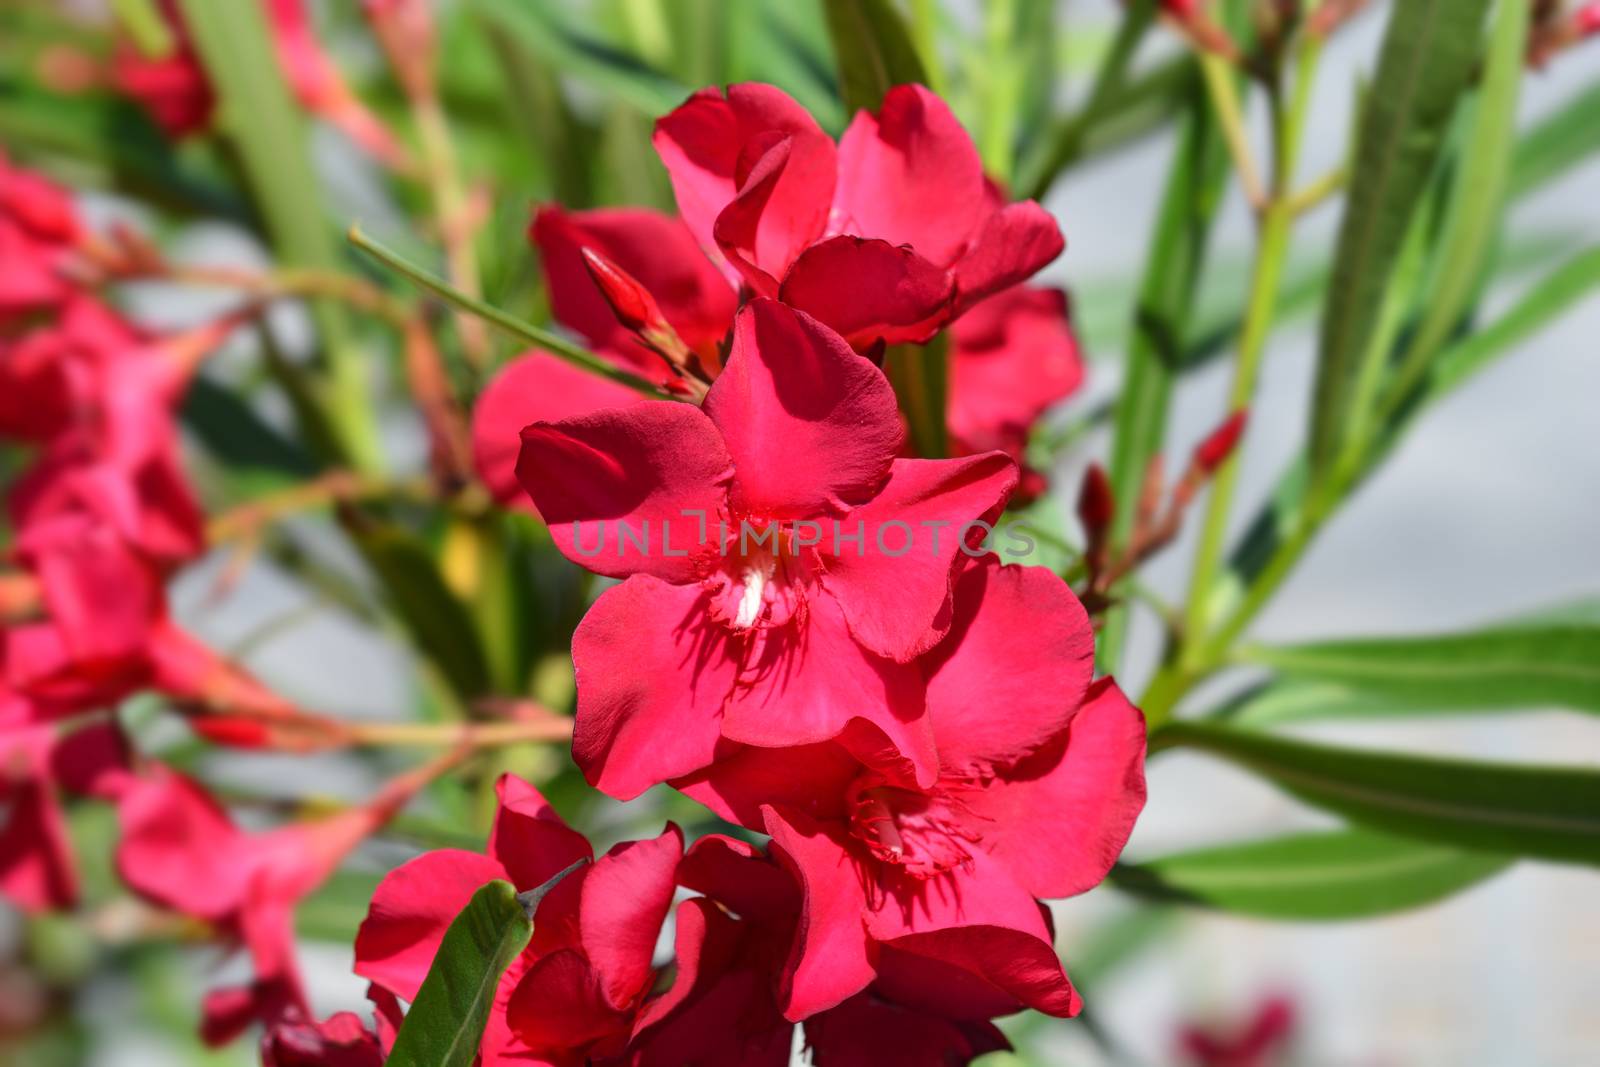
1429	54
1516	666
1161	326
874	50
1477	197
445	1024
1560	141
262	123
1337	874
1550	813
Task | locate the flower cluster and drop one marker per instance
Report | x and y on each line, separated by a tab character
904	727
102	517
886	238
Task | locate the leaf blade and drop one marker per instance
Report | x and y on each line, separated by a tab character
445	1024
1550	813
1429	53
1324	875
874	51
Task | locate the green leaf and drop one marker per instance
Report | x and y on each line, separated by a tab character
1161	319
1337	874
1430	53
445	1024
1540	812
1560	141
437	621
1477	197
262	123
921	378
1548	299
874	50
234	434
1494	669
545	31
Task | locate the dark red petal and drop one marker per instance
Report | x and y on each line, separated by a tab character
870	291
868	1031
529	839
625	898
711	143
1012	357
653	674
740	876
1013	964
830	959
1010	247
810	683
534	387
558	1007
812	427
1011	673
910	175
615	485
812	778
894	583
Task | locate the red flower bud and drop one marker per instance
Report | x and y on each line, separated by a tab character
630	301
1097	504
1214	450
232	732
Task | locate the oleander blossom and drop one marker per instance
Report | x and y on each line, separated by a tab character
751	618
1039	781
575	991
1012	355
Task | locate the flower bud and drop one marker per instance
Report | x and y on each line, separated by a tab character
1214	450
1097	504
630	301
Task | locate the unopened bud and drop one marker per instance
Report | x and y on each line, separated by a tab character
630	301
1586	22
1215	449
1097	504
405	29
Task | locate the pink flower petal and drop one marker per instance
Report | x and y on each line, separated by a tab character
529	839
870	291
534	387
830	959
625	899
1082	793
615	484
910	175
653	674
812	427
1011	673
894	584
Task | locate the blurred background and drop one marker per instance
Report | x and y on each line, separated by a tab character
1492	507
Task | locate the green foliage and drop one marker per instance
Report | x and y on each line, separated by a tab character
1500	668
445	1023
1550	813
874	51
1429	53
1338	874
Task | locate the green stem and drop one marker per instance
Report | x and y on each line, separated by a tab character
1072	132
557	346
1277	224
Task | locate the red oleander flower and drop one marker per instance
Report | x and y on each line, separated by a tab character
1039	781
180	850
887	236
341	1040
1012	357
731	943
38	227
797	566
37	761
1259	1041
575	991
